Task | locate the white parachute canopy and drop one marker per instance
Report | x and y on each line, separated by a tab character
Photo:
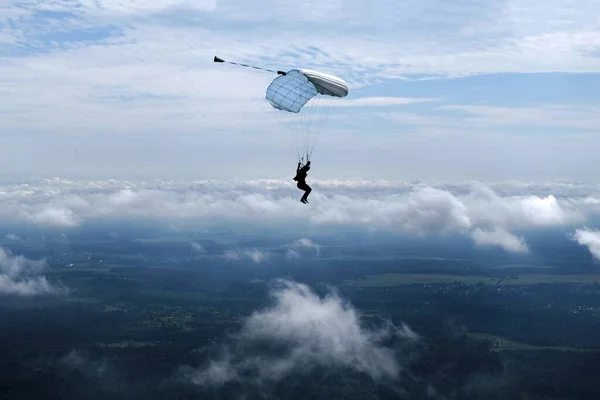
303	99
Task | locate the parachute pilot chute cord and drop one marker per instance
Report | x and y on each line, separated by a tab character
220	60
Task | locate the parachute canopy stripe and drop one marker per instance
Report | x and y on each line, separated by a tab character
292	91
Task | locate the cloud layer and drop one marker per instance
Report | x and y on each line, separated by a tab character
490	214
299	332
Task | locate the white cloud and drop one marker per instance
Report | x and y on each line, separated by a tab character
576	117
197	247
58	217
500	237
308	331
380	101
488	213
22	276
12	236
301	246
257	256
86	365
589	238
136	6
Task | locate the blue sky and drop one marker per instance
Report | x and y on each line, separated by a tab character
490	90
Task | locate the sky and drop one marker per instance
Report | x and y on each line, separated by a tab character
444	91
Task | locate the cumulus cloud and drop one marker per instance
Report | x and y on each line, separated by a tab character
56	217
502	238
302	246
589	238
22	276
487	213
302	331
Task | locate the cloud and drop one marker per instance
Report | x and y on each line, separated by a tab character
589	238
380	101
197	247
90	376
12	236
499	237
301	246
489	213
575	117
257	256
22	277
82	362
304	331
58	217
133	6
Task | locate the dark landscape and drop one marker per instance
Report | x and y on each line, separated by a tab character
141	311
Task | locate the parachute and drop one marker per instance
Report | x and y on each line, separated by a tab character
302	99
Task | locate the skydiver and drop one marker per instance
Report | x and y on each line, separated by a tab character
301	179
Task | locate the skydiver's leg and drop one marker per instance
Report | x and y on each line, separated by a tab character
307	190
302	186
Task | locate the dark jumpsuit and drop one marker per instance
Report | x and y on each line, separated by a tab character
301	178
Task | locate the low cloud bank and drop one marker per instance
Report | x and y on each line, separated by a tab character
489	214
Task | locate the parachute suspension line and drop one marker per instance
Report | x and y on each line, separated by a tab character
326	109
292	131
314	117
302	100
304	129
